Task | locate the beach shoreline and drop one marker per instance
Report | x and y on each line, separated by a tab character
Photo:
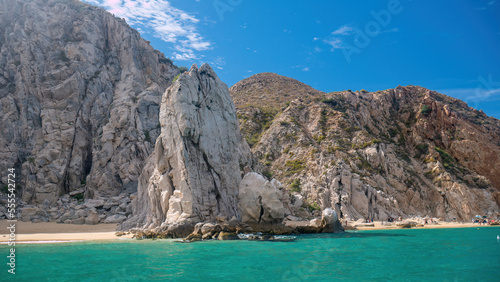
51	232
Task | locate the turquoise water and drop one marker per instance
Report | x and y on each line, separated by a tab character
465	254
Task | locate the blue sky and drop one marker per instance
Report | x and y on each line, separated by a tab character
450	46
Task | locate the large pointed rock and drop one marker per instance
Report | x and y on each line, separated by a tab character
196	167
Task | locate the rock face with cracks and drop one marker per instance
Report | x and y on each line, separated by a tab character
79	99
261	201
406	152
196	167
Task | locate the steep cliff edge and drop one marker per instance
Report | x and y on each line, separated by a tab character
399	152
79	99
199	157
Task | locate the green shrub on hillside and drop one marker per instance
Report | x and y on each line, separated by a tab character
426	110
448	160
295	186
294	166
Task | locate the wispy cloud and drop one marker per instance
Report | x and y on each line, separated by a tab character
335	43
474	96
218	62
343	30
163	21
306	69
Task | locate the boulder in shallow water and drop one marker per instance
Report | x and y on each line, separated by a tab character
193	238
180	229
330	222
228	236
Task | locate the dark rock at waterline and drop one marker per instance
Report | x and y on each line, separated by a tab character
228	236
193	238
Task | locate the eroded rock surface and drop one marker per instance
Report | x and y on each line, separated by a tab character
373	155
198	159
261	200
79	99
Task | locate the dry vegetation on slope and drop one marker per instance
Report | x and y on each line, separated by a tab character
403	151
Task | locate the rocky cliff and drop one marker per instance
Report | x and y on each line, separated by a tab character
91	113
79	99
198	161
398	152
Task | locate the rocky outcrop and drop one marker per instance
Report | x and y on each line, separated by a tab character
79	99
199	157
400	152
261	200
330	222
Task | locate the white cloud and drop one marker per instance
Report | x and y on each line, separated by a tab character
306	69
163	21
218	62
335	43
343	30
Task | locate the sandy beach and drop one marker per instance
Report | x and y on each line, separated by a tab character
379	226
28	232
51	232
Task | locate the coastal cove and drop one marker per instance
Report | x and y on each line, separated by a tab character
402	254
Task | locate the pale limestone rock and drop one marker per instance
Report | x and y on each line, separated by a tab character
260	200
115	219
195	169
315	222
94	203
330	222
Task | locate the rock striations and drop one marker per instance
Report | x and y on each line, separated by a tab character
197	164
79	99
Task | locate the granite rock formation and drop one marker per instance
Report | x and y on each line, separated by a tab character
79	99
261	200
199	157
87	121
